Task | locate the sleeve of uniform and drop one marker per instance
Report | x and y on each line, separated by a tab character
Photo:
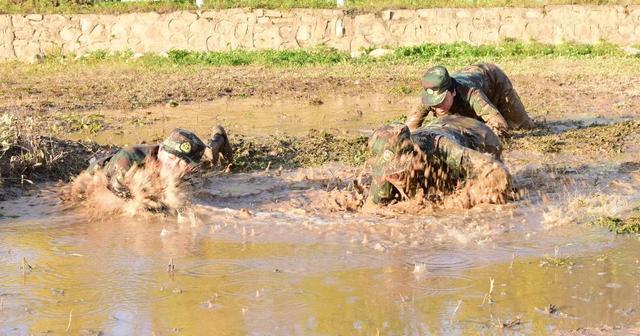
485	110
115	170
417	116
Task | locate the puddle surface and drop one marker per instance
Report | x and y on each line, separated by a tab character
295	268
250	116
277	278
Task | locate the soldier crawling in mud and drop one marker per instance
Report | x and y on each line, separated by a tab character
454	153
482	91
177	156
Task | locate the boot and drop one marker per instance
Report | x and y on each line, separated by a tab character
220	146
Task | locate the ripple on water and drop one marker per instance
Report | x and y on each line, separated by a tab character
276	291
430	284
445	261
213	268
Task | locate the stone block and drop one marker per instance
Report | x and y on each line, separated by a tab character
34	17
340	29
24	33
19	22
267	37
87	23
25	50
202	27
304	33
272	13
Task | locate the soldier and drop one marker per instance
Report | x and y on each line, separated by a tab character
481	91
437	159
177	156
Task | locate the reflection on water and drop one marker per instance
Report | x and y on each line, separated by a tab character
112	276
291	271
250	116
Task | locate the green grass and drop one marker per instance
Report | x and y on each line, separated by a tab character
621	226
460	52
114	6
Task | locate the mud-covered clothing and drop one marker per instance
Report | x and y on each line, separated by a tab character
458	147
117	165
483	92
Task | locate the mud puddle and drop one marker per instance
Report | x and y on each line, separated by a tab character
290	265
276	252
249	116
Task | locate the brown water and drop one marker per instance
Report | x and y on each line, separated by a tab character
294	265
287	269
250	116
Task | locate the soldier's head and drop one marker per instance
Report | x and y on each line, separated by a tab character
438	89
391	149
179	151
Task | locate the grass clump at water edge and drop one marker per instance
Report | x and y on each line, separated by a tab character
620	226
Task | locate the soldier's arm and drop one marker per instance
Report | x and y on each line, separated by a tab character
489	113
417	116
115	170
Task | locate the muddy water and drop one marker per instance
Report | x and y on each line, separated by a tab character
260	275
293	265
251	116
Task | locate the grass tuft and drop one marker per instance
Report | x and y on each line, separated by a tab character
620	226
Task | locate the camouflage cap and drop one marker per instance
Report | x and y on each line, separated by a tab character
390	147
436	81
184	144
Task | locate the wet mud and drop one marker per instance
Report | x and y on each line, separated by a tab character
288	250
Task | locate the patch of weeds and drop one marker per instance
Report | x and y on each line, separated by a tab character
295	57
27	155
556	260
458	52
403	90
314	149
550	146
402	118
620	226
92	123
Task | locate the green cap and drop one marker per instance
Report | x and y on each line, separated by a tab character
184	144
436	82
390	147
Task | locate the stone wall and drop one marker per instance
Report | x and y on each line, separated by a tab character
27	36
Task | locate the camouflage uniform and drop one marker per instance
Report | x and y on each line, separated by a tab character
434	158
181	143
483	92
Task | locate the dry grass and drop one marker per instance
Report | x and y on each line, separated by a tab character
111	7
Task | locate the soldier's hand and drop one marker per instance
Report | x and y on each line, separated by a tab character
498	127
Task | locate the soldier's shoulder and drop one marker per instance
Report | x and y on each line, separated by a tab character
130	155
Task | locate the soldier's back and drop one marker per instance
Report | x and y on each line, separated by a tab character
467	132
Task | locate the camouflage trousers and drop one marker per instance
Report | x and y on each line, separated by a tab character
506	99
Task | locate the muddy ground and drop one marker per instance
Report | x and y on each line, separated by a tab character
563	95
580	162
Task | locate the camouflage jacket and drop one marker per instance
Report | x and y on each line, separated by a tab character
450	156
475	87
117	165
